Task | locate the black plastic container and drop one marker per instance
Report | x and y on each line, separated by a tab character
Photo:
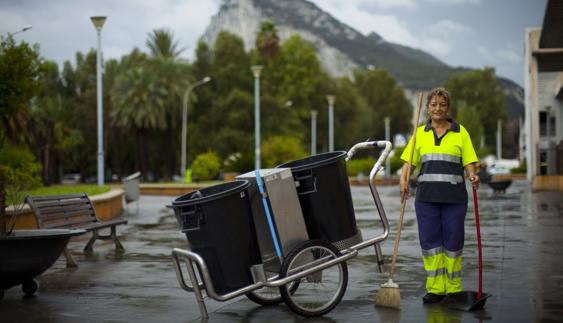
218	223
324	195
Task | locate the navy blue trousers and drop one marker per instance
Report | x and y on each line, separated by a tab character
441	224
441	231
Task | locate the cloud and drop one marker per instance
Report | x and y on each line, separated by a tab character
448	28
372	5
454	2
63	27
435	39
500	55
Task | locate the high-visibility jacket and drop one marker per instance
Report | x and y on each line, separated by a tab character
441	162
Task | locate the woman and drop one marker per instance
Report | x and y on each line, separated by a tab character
443	150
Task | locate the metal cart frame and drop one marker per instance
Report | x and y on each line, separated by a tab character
204	282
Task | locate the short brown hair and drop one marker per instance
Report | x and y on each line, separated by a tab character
438	91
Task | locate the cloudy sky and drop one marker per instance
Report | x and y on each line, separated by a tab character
471	33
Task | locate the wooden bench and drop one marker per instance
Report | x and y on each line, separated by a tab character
73	211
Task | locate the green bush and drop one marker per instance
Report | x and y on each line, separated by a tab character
396	161
239	163
280	149
362	165
520	169
206	166
19	171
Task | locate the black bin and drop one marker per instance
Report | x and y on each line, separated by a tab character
218	224
325	198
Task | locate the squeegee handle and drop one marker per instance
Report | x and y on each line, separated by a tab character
479	248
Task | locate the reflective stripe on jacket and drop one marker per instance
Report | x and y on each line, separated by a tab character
441	162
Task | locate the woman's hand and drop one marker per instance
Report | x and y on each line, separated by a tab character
404	188
404	181
475	181
471	170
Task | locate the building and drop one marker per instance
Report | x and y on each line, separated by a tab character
543	86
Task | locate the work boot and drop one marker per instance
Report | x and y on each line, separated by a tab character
432	298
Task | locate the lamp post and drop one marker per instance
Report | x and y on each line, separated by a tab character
330	99
98	22
256	70
388	138
25	28
499	139
185	122
314	132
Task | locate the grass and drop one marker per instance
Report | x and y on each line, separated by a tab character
66	189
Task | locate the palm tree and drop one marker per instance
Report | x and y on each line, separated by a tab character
162	45
146	99
267	40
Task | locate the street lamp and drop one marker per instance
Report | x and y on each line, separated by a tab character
98	22
25	28
185	122
330	99
256	70
499	139
388	138
313	132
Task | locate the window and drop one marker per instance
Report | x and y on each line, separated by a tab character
544	123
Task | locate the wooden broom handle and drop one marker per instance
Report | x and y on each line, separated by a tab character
404	202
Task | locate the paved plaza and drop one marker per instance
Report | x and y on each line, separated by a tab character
522	234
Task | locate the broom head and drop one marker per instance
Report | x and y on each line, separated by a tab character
388	295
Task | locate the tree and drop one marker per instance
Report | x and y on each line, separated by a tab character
469	118
161	44
18	71
267	40
281	149
146	100
385	99
19	67
222	117
479	89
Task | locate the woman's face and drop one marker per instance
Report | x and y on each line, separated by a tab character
437	108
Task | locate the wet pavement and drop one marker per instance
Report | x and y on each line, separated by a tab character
523	270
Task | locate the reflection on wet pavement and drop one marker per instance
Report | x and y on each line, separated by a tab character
522	241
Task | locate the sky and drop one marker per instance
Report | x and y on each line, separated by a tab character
469	33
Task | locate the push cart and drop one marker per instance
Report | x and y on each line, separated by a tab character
262	246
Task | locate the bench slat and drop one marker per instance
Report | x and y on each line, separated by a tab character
62	202
61	210
86	214
68	224
41	198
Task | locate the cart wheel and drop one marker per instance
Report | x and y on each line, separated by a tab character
29	287
269	296
321	291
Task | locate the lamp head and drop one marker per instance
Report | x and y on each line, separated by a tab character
256	70
206	79
98	21
330	99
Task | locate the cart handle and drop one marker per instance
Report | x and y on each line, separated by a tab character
376	168
192	257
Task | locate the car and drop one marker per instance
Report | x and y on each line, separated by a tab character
73	178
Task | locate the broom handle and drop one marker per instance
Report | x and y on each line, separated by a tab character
478	244
404	202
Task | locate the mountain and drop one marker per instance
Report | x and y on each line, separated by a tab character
340	47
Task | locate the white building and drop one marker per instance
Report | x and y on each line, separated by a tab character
543	85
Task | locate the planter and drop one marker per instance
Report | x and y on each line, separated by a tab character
26	254
499	186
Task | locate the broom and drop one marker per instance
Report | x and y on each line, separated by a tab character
389	294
